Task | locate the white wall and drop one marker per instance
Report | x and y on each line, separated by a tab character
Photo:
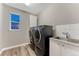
12	38
72	29
0	25
58	14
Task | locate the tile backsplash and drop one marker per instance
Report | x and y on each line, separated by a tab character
72	29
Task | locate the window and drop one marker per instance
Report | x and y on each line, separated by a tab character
14	21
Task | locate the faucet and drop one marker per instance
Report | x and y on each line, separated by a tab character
67	35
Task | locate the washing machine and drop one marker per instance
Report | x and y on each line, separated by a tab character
41	37
31	33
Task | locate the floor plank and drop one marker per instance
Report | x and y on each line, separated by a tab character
19	51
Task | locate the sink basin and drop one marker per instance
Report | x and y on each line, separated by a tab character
69	40
73	40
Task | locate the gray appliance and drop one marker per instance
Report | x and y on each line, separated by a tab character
41	36
31	33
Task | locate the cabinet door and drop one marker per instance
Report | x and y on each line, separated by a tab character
69	50
54	48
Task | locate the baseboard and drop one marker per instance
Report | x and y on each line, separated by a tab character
24	44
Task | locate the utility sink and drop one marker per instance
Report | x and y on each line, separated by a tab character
69	40
73	40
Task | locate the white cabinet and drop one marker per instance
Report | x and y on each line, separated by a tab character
55	49
69	50
58	48
33	20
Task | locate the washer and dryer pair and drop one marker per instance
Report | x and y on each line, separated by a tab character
39	39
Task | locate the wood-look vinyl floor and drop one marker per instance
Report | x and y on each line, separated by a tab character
19	51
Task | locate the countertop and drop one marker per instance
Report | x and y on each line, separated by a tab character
66	42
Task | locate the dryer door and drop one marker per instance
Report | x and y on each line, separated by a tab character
31	36
37	36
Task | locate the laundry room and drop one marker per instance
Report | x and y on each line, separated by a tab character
39	29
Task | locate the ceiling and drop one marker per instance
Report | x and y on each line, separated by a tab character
36	8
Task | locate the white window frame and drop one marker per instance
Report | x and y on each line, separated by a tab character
12	21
